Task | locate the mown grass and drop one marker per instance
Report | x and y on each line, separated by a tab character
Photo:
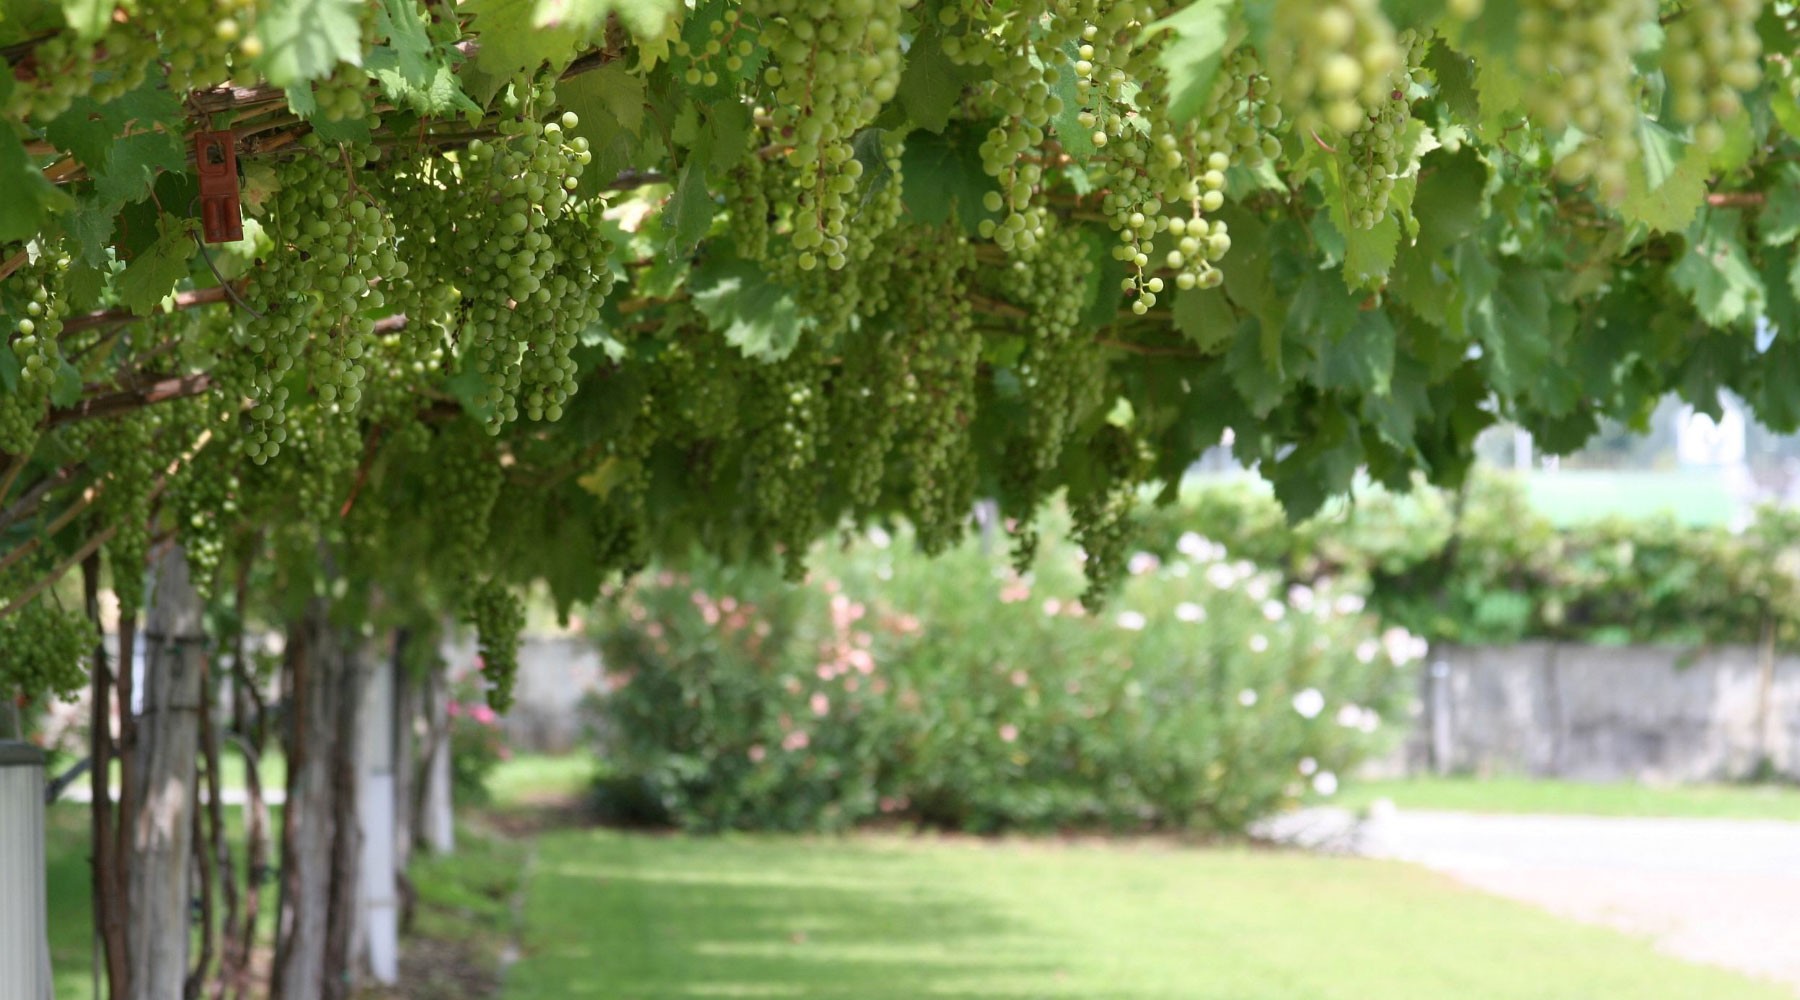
1539	796
612	915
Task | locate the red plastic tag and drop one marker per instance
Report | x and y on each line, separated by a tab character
215	158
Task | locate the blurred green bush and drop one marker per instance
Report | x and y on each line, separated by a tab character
954	693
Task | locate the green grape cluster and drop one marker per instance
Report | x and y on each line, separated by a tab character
342	95
126	449
1062	369
1334	62
1711	54
205	500
698	377
1100	511
1024	50
529	264
46	649
937	390
786	423
498	616
1382	153
190	45
34	334
832	67
865	413
463	482
333	260
1580	61
728	44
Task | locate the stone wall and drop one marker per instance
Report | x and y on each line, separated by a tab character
1608	713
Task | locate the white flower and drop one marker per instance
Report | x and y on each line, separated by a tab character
1301	597
1052	607
1325	783
884	572
1309	703
1141	563
1178	568
1366	650
1246	697
879	538
1132	620
1349	604
1349	716
1308	765
1258	589
1221	576
1370	721
1273	610
1193	546
1402	646
1188	611
1259	643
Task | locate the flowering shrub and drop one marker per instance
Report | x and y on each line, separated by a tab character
952	692
477	745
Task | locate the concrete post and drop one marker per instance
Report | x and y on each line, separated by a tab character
1441	736
375	806
24	942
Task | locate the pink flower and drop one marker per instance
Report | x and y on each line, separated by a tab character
756	753
453	709
851	684
861	660
480	662
1009	732
821	705
796	740
484	715
1020	678
1052	608
826	671
1015	590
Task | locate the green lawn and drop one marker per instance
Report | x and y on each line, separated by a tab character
529	779
1532	795
1572	496
611	915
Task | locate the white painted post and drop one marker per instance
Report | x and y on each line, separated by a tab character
1442	748
24	940
375	806
439	821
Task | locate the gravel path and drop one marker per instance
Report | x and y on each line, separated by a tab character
1726	892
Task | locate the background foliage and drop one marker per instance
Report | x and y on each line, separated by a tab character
954	693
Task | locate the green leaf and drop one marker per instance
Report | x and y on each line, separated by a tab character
304	40
511	44
88	19
755	314
1668	206
643	18
25	196
1451	198
1369	253
153	274
1779	222
1512	325
613	90
1360	360
1717	275
1205	318
689	212
931	84
1455	74
67	388
1199	33
409	68
943	178
136	160
91	224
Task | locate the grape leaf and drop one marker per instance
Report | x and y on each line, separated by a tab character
643	18
134	163
1205	318
756	315
931	85
1200	34
408	68
305	39
1779	222
512	44
943	179
153	273
689	212
66	390
91	225
1717	275
89	129
88	19
1512	325
27	197
1670	204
